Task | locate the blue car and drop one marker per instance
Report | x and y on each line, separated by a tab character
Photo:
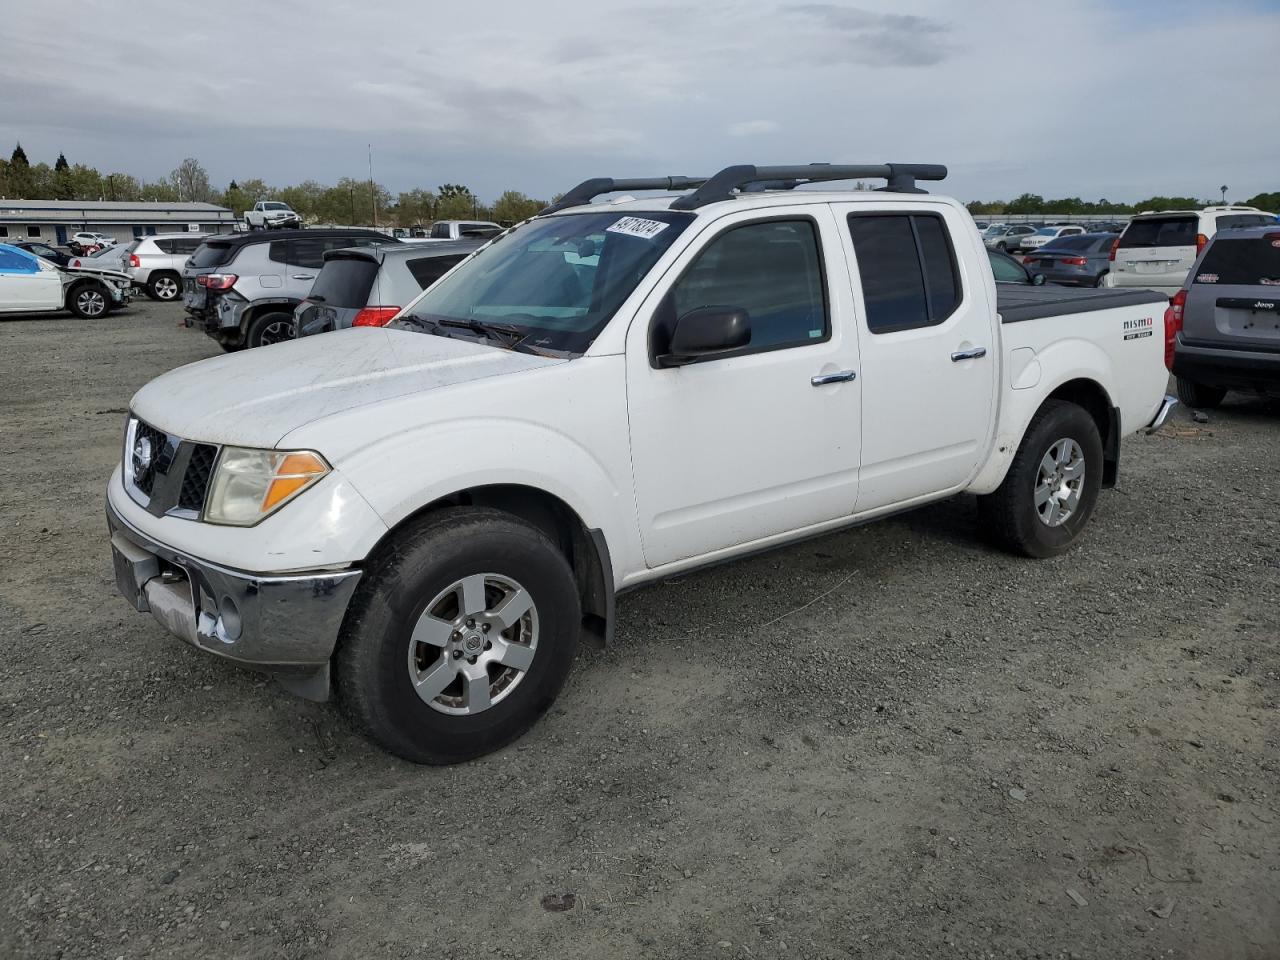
1081	261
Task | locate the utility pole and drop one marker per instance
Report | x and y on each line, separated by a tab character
353	204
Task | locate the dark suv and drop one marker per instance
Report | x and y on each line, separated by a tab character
242	289
1229	309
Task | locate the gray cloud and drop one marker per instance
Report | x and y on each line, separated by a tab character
881	39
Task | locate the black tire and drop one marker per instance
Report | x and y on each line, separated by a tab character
1010	515
1198	396
164	286
371	665
268	327
89	301
1002	247
1101	279
230	343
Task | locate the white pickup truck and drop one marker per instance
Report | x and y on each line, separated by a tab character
271	215
609	394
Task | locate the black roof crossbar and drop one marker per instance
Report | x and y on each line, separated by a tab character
588	190
901	178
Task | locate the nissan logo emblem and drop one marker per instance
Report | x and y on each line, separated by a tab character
142	455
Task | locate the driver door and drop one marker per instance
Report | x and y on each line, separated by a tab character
734	449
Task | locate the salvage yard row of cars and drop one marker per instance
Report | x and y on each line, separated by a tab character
460	484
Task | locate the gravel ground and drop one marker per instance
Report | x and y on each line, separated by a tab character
891	742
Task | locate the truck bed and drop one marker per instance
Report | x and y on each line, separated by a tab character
1016	302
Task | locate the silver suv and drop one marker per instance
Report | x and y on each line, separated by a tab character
1227	315
367	286
242	289
155	263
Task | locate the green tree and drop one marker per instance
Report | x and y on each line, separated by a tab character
1265	201
19	175
303	198
191	181
85	183
121	186
61	165
1026	203
415	206
159	190
513	206
19	157
1169	203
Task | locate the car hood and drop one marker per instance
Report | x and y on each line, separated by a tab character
256	397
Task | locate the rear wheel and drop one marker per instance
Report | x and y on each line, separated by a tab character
164	287
460	637
1198	395
89	301
1052	485
272	326
1101	281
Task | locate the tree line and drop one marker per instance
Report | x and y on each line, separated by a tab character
350	201
1033	203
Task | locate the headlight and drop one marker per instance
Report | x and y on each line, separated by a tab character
249	485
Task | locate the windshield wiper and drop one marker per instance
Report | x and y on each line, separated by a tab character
490	330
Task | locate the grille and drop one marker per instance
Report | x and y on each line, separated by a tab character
195	482
160	452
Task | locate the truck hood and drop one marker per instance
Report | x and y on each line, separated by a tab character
256	397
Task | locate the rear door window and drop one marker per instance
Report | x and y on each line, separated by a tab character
427	270
345	282
1243	220
165	246
440	231
1251	262
907	268
1160	232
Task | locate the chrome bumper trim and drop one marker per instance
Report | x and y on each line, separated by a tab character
1166	406
284	624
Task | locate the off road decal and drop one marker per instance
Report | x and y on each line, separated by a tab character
1137	329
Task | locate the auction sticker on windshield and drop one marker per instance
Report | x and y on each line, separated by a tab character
638	227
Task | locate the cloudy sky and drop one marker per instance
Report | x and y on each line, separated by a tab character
1097	98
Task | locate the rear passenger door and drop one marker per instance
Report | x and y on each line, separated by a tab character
929	350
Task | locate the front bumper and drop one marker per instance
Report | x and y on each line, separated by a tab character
286	625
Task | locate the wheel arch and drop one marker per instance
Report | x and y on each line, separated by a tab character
1093	398
585	548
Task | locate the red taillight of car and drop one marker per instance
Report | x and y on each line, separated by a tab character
1201	240
1073	261
1115	245
75	263
134	261
374	316
1172	324
217	281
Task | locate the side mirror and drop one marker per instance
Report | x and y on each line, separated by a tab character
1037	279
707	332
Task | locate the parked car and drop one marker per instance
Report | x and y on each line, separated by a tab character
461	229
367	286
1156	250
1081	259
56	255
433	512
271	215
1007	269
1228	318
155	263
31	284
89	240
1009	238
242	289
1046	235
104	259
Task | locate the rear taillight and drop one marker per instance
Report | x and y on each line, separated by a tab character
217	281
1074	261
1201	240
133	260
1115	245
374	316
75	263
1173	324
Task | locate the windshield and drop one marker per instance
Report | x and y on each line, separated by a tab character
210	254
1048	231
557	281
275	206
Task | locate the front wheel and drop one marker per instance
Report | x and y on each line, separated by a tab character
1198	396
163	287
1052	485
88	301
459	638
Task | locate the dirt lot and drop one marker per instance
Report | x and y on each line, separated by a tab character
893	742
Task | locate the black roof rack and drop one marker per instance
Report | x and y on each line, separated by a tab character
588	190
901	178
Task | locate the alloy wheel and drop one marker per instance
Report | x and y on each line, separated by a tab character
1059	482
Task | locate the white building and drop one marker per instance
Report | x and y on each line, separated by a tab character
54	221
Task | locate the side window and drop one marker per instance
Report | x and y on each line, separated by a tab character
440	231
4	231
165	246
303	252
11	261
1007	270
427	270
908	270
33	231
773	270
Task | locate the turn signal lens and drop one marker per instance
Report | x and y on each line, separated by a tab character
249	485
374	316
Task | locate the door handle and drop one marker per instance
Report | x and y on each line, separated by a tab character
844	376
973	353
304	276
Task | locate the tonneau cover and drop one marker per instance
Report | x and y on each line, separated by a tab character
1016	302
